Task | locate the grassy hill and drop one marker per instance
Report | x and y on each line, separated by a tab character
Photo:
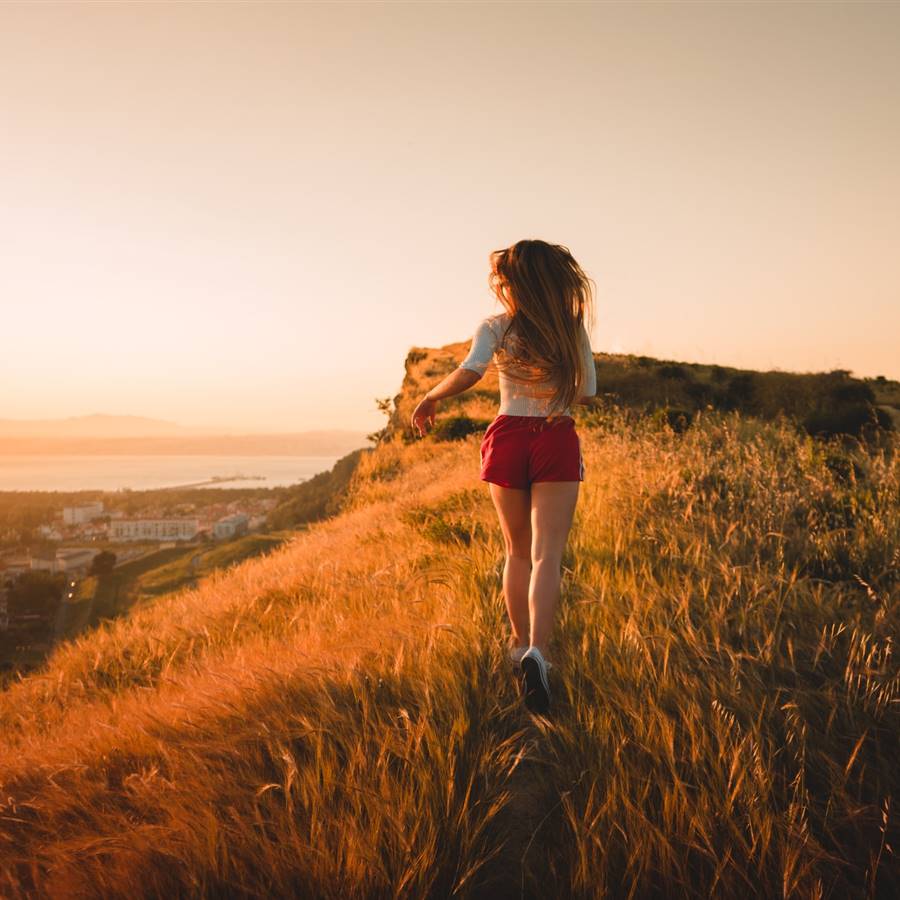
338	717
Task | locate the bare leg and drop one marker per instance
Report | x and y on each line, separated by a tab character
552	510
514	509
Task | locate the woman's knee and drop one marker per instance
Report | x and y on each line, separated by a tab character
519	548
547	548
547	561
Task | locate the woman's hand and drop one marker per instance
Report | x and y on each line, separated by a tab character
456	382
423	414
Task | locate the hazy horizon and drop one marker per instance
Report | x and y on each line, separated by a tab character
249	213
114	425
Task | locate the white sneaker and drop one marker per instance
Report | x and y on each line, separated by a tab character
537	687
516	654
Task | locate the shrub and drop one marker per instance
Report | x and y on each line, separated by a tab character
440	367
318	498
700	393
676	418
457	428
674	373
854	392
741	392
845	468
103	563
448	522
857	419
36	591
387	470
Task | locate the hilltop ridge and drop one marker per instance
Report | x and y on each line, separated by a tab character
824	403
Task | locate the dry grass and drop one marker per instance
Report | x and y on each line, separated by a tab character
337	719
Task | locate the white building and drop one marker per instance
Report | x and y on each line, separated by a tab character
231	526
175	529
44	560
69	559
77	515
11	566
74	559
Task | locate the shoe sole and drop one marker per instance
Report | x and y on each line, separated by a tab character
537	692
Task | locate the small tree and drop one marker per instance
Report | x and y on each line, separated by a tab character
385	405
103	563
36	592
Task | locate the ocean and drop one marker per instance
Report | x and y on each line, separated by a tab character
114	472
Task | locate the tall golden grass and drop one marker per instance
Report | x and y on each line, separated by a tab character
339	719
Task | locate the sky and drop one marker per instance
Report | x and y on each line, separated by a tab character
246	214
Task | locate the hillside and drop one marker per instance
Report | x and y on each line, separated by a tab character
337	718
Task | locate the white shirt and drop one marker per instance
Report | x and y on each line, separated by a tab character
518	399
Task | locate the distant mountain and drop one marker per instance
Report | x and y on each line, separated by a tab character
96	425
304	443
137	435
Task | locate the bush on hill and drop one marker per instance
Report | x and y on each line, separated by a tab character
673	372
741	393
318	498
103	563
856	419
852	392
457	428
679	420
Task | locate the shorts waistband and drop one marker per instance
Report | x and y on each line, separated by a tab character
533	423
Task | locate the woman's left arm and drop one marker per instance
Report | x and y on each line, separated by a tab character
588	370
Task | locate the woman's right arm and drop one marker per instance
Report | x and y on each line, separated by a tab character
481	352
467	373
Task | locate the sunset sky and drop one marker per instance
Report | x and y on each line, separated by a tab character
246	213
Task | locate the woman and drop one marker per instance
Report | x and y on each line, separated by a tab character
531	452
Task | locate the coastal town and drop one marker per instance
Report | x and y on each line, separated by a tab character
55	579
94	528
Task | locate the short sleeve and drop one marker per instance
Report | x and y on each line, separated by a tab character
589	386
481	352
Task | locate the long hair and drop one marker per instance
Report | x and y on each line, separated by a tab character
548	298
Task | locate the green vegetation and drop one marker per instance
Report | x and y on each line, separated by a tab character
36	592
456	428
317	498
117	591
103	563
825	404
35	595
187	569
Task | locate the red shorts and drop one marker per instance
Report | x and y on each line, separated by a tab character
517	450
